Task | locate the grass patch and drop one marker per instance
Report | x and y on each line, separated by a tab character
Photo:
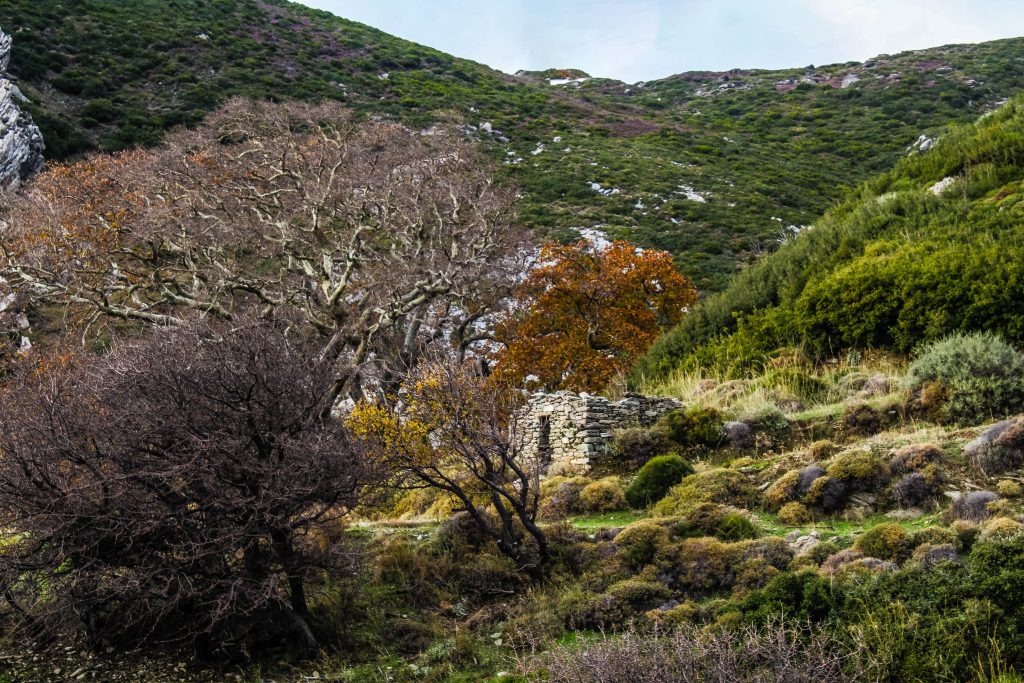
610	520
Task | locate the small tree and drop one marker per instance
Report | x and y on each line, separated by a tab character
383	241
183	487
588	313
459	434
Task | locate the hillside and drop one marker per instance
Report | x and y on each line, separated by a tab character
932	247
714	167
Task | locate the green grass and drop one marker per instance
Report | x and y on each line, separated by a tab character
610	520
843	528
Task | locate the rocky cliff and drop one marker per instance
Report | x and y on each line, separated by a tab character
21	143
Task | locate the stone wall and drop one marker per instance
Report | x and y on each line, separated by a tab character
567	429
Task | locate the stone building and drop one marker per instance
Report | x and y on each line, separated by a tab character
567	430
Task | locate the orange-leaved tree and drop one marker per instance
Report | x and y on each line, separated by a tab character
587	312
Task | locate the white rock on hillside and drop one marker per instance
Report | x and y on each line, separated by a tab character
940	187
21	143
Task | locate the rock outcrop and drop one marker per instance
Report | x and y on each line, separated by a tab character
21	143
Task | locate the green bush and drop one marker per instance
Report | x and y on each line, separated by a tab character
638	593
702	565
887	541
694	426
723	486
783	490
935	535
603	495
794	514
859	470
655	479
701	520
803	595
641	541
736	527
982	376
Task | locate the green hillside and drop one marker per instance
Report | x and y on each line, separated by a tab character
713	167
931	247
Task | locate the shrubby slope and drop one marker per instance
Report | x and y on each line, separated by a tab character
932	247
713	167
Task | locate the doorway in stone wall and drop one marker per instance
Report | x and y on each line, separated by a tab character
544	437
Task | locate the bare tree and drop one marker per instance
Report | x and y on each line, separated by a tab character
182	487
778	652
383	240
459	434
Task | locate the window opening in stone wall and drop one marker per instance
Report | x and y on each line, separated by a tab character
544	437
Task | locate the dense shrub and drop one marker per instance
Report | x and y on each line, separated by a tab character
935	535
603	495
736	526
827	493
753	574
835	562
803	595
821	449
786	488
641	541
1000	527
560	496
982	375
862	419
1007	488
724	486
915	457
638	593
794	514
997	575
702	565
772	549
701	520
887	541
632	447
460	532
859	470
655	479
694	426
915	489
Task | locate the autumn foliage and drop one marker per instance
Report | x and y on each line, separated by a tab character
587	312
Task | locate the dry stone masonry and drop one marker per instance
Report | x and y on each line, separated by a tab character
567	429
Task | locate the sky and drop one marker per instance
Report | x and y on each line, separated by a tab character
634	40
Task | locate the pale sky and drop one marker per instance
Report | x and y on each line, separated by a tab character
635	40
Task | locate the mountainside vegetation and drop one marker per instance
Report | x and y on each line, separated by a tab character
272	321
715	168
930	248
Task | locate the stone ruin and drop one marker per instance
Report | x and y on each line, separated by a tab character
566	429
